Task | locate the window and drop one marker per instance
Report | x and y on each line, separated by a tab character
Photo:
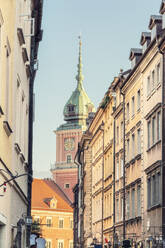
48	244
37	219
153	189
70	244
153	130
128	205
148	85
121	208
117	135
158	126
138	200
67	186
149	133
153	196
69	159
117	169
149	193
61	223
60	243
71	224
133	203
7	84
158	184
121	167
133	145
138	141
48	221
117	210
153	79
138	100
71	108
133	106
127	111
122	129
158	74
127	149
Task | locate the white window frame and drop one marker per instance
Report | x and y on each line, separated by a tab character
133	106
48	243
47	220
61	219
60	243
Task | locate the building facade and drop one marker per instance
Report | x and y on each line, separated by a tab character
52	211
16	19
127	152
76	112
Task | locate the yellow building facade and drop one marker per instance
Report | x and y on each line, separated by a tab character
52	210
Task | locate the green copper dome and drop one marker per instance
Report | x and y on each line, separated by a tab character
79	105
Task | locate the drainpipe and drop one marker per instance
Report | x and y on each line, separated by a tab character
163	144
102	223
114	174
163	150
124	193
30	136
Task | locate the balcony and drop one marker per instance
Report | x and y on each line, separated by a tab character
62	165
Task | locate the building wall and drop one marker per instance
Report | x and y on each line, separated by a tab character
152	152
54	233
14	114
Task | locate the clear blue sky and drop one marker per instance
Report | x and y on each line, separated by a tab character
109	28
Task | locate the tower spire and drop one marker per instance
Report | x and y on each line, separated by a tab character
79	76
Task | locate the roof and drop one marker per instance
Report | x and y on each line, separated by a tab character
79	105
59	191
42	190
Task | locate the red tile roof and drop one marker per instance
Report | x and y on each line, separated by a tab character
42	190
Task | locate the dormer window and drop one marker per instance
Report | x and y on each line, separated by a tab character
162	11
145	40
135	55
155	25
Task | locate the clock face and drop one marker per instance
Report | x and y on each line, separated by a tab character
69	144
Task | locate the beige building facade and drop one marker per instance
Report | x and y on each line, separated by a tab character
127	152
16	33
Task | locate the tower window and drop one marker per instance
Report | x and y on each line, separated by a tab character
67	185
69	159
71	108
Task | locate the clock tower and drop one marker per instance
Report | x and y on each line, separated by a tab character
76	112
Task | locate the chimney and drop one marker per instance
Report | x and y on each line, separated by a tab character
162	12
155	25
135	55
145	40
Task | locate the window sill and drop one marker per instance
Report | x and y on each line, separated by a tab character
132	161
151	94
154	207
135	219
132	116
22	158
17	148
155	144
7	128
1	111
158	85
138	156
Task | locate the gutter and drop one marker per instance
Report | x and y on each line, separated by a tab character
33	56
